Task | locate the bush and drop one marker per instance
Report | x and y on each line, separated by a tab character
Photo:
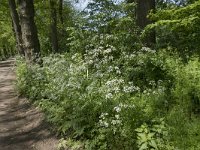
183	114
178	27
94	98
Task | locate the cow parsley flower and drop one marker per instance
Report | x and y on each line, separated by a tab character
117	109
117	116
109	96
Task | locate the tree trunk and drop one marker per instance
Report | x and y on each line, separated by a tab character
61	11
54	32
142	10
29	30
5	52
16	26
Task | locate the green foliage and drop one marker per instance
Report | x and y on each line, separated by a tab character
7	39
153	137
178	28
110	22
94	100
93	97
69	143
32	79
187	85
43	22
183	102
108	91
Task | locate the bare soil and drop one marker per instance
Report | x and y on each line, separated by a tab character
22	126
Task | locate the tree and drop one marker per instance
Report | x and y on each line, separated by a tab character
101	15
61	11
54	32
16	26
178	27
142	10
29	29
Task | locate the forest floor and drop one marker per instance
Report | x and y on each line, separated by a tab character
22	126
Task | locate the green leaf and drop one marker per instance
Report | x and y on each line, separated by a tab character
153	144
143	137
150	135
143	146
139	130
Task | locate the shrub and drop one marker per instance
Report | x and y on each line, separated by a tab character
93	98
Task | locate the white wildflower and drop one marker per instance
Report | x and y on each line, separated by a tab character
113	122
116	89
116	68
117	116
110	57
117	109
109	96
110	69
105	124
90	62
103	115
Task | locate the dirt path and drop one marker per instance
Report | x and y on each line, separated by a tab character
21	125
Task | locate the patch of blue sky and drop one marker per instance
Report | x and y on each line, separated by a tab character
82	4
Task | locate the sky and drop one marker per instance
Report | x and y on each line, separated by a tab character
82	4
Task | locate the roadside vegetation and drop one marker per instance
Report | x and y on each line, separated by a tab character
108	81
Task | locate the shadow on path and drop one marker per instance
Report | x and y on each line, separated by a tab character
22	126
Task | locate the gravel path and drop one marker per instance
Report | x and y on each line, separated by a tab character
21	125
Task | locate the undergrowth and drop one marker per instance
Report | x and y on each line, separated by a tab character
110	92
141	100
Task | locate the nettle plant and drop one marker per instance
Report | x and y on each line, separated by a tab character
153	136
